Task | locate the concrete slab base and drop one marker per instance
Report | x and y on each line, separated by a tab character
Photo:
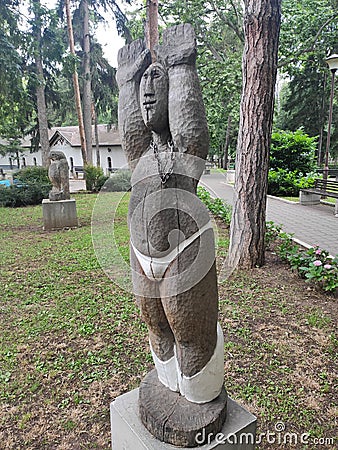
238	432
230	176
59	214
307	198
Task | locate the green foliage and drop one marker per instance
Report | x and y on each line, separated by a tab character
23	195
287	184
308	29
31	186
303	100
119	181
95	178
308	33
35	174
291	163
292	151
314	264
216	206
14	102
219	33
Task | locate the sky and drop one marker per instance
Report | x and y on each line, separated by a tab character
109	39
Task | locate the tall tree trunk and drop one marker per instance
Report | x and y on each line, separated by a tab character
87	85
151	31
40	89
76	85
96	134
227	142
261	27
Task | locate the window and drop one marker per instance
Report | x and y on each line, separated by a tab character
34	161
23	162
109	163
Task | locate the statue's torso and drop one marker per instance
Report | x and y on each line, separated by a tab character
158	210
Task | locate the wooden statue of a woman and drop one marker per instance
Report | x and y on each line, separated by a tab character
164	133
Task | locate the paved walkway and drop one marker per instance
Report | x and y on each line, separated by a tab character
76	185
312	225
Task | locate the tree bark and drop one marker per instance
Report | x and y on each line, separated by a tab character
40	91
227	142
87	85
261	28
152	26
76	86
96	134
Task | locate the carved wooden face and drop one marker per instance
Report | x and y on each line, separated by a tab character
154	97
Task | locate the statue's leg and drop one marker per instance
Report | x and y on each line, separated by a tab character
160	334
192	316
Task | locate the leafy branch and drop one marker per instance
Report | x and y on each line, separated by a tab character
310	47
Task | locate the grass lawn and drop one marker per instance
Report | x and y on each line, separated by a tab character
296	199
72	341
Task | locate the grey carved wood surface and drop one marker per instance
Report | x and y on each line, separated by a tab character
58	173
164	133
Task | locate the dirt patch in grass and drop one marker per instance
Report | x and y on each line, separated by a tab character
71	342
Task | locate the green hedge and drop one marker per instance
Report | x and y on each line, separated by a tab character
30	186
287	184
292	151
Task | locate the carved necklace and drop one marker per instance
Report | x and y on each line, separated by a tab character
165	166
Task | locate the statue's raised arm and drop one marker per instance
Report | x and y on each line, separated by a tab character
133	60
187	120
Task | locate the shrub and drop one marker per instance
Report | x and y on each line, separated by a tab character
31	186
287	184
120	181
34	174
292	151
23	194
314	264
95	178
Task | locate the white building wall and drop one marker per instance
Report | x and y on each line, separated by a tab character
25	158
70	152
118	158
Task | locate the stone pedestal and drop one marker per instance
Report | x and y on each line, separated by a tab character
59	214
230	176
308	198
238	432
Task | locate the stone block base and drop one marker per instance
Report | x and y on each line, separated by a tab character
128	432
230	176
59	214
307	198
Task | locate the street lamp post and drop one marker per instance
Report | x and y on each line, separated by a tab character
332	62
